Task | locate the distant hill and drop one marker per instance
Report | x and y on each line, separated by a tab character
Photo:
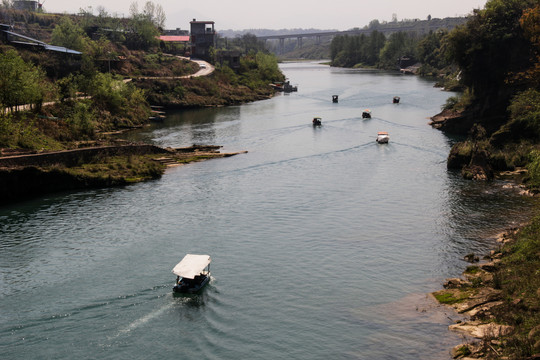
310	49
268	32
417	25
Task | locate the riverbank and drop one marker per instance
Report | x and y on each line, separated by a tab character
500	295
30	175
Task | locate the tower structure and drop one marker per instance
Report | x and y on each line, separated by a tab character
203	37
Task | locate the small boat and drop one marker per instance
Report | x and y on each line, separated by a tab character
396	100
317	121
366	114
277	86
288	88
192	273
334	98
284	86
382	137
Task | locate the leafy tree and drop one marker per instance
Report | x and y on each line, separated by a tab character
267	66
348	51
69	35
530	23
6	130
142	32
429	50
524	121
123	100
398	45
247	43
374	24
80	120
490	46
153	13
376	42
20	82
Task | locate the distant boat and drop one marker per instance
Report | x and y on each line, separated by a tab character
334	98
396	100
366	114
284	86
317	121
193	273
382	137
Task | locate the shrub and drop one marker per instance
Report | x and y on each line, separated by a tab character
81	121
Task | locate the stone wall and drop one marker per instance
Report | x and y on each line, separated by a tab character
78	156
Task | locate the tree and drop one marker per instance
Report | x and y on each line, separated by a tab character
152	12
7	4
530	23
490	46
374	24
429	50
142	27
20	82
69	35
399	45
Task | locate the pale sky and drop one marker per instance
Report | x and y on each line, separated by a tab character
280	14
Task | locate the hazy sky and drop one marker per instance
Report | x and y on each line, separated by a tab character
281	14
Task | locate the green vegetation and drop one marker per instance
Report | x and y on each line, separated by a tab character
20	82
472	269
500	105
463	351
91	94
348	51
52	101
452	296
517	276
126	169
226	86
377	50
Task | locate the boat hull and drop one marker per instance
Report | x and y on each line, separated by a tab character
190	288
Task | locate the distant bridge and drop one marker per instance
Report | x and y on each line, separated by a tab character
419	27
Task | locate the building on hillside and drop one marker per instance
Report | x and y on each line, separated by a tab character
177	32
203	37
174	38
25	5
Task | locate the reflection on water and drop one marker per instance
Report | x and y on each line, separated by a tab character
321	239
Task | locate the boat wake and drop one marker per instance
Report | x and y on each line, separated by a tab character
143	320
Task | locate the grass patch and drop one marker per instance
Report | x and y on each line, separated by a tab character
128	169
452	296
472	270
463	351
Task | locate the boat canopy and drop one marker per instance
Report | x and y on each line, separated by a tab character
191	265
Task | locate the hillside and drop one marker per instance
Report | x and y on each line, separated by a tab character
100	77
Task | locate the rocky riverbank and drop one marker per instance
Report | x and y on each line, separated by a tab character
500	296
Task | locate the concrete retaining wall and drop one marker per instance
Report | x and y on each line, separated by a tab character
78	156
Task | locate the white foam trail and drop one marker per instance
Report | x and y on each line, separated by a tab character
143	320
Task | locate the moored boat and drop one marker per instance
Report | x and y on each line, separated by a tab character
382	137
396	100
192	273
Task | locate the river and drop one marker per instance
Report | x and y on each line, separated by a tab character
323	242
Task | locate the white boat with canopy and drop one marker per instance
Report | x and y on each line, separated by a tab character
382	137
193	273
